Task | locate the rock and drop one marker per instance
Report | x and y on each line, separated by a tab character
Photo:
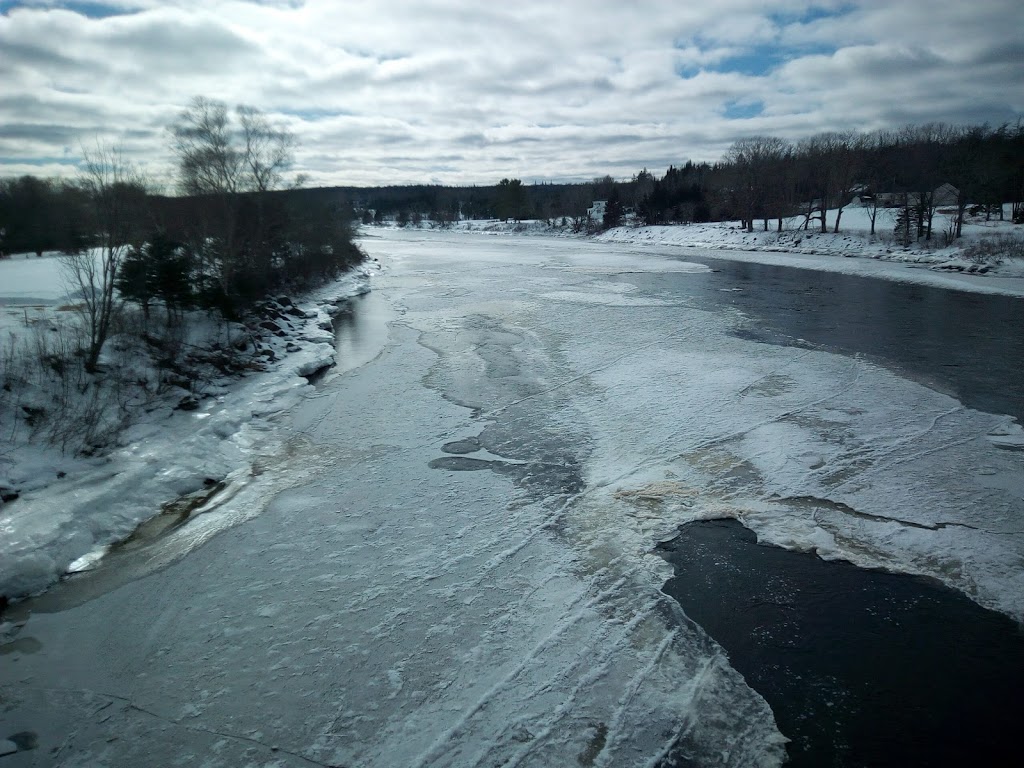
188	403
284	301
268	353
7	747
271	326
292	347
7	495
181	382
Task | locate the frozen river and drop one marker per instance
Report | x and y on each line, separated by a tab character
451	559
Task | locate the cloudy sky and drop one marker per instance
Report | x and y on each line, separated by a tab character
462	91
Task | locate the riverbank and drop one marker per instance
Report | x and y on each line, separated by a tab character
849	254
184	452
981	261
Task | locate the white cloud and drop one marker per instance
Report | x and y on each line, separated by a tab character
460	92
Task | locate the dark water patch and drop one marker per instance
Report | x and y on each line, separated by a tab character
24	740
21	645
360	330
968	345
466	445
172	515
360	327
861	668
538	479
516	435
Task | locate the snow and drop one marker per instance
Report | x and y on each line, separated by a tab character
28	279
1007	283
72	509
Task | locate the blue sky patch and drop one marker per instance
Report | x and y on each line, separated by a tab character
742	110
39	161
762	59
91	10
313	115
810	15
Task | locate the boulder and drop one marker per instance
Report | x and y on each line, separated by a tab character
188	403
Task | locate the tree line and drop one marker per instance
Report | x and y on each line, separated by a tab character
234	236
765	178
229	240
761	179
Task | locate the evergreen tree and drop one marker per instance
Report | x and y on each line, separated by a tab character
160	270
613	210
511	199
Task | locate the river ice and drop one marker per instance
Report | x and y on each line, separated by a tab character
444	556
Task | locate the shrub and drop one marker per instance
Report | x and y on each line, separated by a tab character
995	249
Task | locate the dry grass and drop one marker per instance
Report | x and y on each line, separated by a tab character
996	249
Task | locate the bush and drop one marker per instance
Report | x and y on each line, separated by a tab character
995	249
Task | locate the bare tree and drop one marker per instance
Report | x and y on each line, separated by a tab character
756	189
222	156
845	161
268	151
116	195
921	150
830	165
215	156
209	162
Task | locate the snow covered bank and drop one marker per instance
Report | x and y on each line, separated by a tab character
851	251
72	507
963	265
1007	281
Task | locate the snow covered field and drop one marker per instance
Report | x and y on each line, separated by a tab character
448	552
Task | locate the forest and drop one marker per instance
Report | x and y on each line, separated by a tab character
761	180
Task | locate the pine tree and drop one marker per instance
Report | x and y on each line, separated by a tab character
613	210
902	231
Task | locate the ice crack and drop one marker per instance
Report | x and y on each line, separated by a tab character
838	506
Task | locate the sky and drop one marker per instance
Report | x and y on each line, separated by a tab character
466	92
